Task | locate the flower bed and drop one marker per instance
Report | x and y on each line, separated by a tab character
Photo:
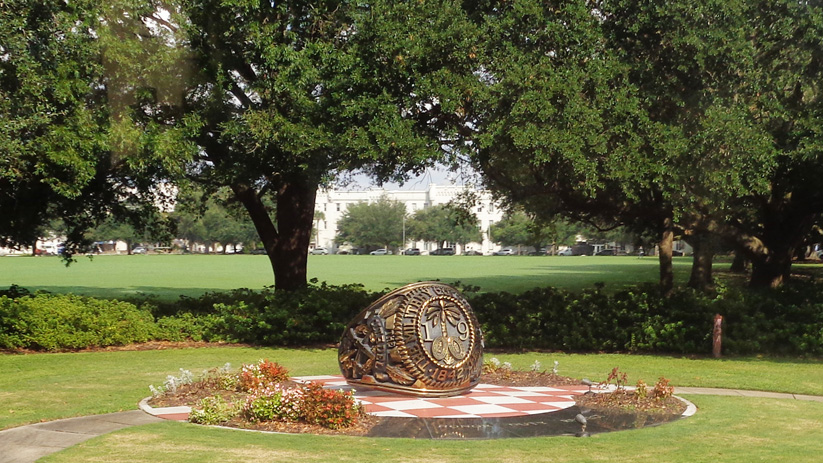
260	396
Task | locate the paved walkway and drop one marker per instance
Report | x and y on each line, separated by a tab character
26	444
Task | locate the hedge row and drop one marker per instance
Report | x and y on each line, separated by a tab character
788	321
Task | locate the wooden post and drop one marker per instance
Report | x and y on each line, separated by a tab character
717	335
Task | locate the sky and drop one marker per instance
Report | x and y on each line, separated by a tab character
437	176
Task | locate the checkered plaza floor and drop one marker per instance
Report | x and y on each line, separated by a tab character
484	401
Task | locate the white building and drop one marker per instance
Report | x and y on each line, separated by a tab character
334	203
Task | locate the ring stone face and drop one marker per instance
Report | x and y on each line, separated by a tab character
421	339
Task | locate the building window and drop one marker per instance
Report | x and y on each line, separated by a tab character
338	207
414	206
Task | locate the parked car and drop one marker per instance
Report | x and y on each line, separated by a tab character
505	252
380	252
442	252
605	252
566	252
472	252
676	253
412	252
138	250
319	251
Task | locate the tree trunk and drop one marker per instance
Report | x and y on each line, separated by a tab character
665	258
704	249
739	264
784	229
772	270
287	244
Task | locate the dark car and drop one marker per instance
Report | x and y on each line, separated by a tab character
676	253
442	252
605	252
412	252
472	252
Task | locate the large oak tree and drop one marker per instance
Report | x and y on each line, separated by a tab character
279	98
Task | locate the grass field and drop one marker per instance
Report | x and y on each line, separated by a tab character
42	387
169	276
726	429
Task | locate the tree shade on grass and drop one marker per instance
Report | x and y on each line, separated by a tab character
168	276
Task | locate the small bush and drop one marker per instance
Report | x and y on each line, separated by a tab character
329	408
213	410
662	389
14	292
263	374
274	404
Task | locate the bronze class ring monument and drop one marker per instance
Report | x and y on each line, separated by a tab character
422	339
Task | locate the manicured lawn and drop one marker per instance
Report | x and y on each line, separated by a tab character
726	429
169	276
38	387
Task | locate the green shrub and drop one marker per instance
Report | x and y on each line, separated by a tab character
786	321
274	404
213	410
55	322
314	315
14	292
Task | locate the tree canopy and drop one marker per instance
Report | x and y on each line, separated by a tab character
373	225
444	223
280	98
696	118
60	156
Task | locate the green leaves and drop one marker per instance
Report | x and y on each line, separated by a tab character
373	225
444	223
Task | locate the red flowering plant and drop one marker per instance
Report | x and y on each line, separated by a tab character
329	408
261	375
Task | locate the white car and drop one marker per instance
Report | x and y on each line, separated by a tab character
566	252
319	251
380	252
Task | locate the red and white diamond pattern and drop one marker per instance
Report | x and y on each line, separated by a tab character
483	401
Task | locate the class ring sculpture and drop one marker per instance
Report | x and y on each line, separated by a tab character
422	339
